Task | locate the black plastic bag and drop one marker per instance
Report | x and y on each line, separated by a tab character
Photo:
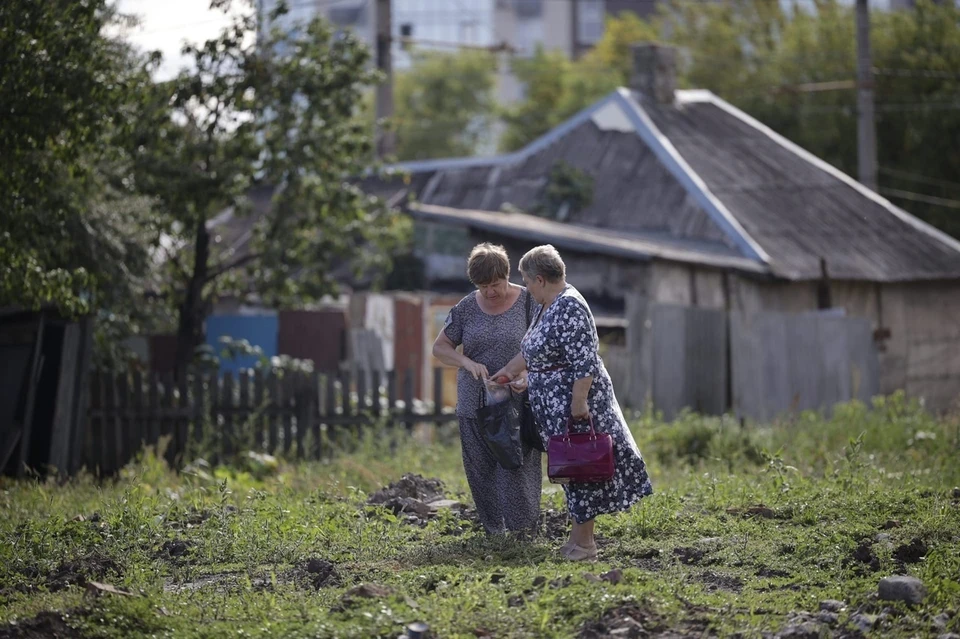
529	433
499	425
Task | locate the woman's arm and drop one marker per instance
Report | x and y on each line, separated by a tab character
581	391
446	352
514	368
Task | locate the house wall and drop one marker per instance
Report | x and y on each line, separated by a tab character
921	354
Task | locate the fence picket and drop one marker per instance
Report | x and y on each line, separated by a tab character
296	414
244	416
228	409
259	424
311	423
289	406
273	413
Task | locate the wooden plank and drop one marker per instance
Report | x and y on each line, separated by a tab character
93	442
259	424
273	413
362	406
375	393
153	408
288	408
183	420
58	453
302	407
437	390
213	438
227	404
330	403
113	431
391	395
129	440
198	414
167	407
246	417
408	382
36	366
80	418
311	422
140	422
346	385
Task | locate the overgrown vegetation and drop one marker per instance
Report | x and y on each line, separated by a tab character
747	530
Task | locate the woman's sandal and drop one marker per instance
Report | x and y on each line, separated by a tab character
576	552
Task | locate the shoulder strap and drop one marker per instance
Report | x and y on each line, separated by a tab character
527	305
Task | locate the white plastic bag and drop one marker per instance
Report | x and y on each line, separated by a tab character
495	393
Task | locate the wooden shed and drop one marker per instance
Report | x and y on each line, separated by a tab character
43	390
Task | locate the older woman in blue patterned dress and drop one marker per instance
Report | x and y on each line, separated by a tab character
567	378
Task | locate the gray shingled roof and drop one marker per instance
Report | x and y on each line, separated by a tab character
700	171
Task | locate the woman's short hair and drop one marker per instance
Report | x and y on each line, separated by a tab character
544	261
488	263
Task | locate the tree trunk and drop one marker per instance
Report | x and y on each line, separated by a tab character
190	333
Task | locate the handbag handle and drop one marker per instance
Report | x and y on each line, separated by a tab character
589	421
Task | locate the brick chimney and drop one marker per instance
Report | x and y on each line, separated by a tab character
654	73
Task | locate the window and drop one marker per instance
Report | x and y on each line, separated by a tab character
590	17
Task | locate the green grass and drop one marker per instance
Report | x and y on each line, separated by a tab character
222	552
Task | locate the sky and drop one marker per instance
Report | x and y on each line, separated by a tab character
165	24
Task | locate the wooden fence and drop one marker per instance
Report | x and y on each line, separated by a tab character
291	414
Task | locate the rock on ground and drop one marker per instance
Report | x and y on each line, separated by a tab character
902	588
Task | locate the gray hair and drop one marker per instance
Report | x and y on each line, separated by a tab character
544	261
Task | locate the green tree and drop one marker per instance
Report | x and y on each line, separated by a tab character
444	104
276	112
68	235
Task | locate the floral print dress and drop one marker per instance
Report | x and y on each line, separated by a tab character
559	349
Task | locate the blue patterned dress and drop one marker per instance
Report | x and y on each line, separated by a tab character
560	349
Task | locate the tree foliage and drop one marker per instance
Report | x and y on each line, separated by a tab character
275	114
444	104
69	233
755	54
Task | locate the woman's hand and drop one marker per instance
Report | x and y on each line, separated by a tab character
479	371
579	409
519	384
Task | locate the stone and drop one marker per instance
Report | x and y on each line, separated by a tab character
614	576
829	618
592	578
539	582
902	588
863	622
949	635
832	605
805	630
882	537
941	620
448	504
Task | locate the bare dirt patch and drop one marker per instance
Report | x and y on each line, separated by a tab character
714	581
633	622
46	625
409	487
77	572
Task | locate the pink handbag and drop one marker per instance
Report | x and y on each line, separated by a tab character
580	457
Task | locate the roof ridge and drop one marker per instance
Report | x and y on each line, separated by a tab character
833	171
673	161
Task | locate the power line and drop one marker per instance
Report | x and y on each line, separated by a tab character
903	175
919	197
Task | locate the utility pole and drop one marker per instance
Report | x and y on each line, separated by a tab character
384	138
866	127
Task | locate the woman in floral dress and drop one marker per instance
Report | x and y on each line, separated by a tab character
566	378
